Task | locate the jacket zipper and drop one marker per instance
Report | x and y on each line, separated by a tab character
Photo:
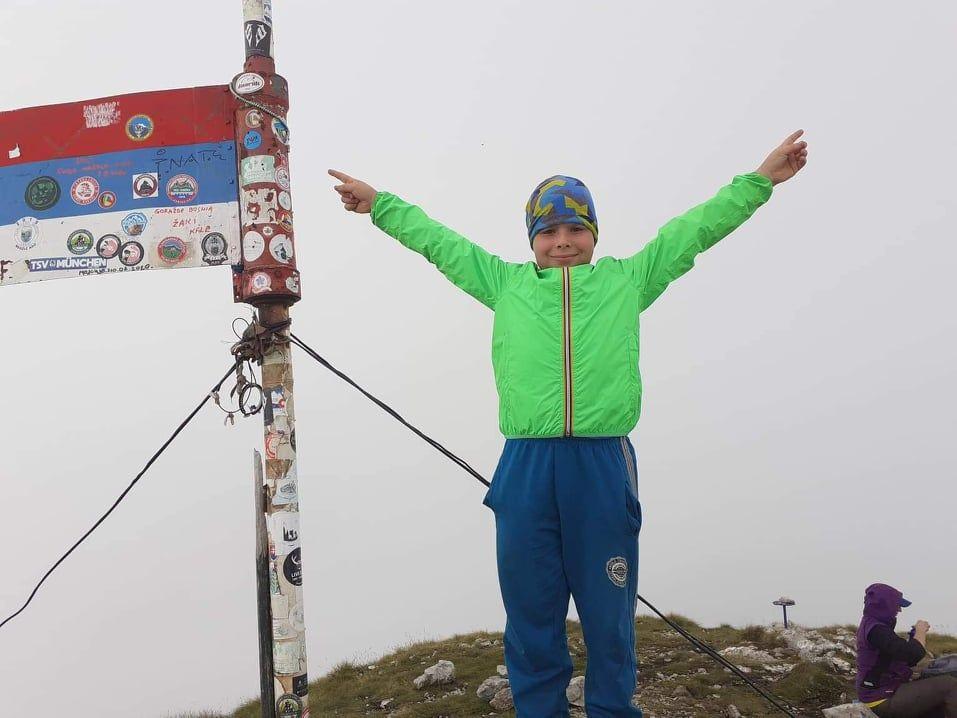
567	345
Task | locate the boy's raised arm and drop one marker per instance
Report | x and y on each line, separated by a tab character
465	264
673	251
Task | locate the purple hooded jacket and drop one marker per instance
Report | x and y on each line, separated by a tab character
881	604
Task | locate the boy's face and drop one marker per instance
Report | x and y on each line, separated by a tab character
564	245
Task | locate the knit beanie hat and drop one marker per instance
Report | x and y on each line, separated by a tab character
560	200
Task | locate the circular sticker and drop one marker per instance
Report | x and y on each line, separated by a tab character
42	193
282	177
267	230
280	247
131	253
289	705
80	242
172	250
139	128
85	190
107	200
285	201
292	567
260	283
254	119
134	223
292	284
108	246
253	246
280	130
248	83
285	221
252	140
182	189
214	248
27	233
146	185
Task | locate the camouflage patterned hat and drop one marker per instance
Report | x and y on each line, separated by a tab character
560	200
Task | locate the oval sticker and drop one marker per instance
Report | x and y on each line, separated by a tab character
248	83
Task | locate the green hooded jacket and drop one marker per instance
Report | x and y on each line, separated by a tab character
565	339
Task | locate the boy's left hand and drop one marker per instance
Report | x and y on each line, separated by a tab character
786	160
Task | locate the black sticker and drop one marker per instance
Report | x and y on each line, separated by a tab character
258	38
42	193
292	567
300	685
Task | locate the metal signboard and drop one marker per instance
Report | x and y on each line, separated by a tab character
119	184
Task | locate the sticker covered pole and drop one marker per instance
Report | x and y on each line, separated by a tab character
268	279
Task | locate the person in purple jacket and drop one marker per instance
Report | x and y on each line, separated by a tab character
885	660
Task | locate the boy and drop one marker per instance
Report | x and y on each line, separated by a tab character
565	356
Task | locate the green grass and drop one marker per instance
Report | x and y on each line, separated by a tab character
358	690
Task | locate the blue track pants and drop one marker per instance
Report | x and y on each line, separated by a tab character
567	519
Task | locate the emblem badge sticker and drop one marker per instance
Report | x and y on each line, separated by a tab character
289	705
108	246
172	250
260	283
285	221
253	246
85	190
300	685
107	200
42	193
292	567
280	247
134	223
267	231
139	128
285	201
131	253
292	284
214	248
252	140
260	168
617	570
282	177
182	189
27	233
248	83
254	119
280	130
80	242
145	185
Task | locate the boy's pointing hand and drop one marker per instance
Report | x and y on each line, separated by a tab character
356	195
786	160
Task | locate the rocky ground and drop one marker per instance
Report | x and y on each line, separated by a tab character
463	677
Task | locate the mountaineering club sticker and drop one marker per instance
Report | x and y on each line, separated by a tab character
42	193
80	242
139	128
108	246
172	250
289	706
107	200
617	570
134	223
182	189
85	190
214	248
27	233
131	253
145	185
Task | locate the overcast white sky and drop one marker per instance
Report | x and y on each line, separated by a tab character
798	421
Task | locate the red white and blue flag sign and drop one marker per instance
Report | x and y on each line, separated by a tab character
119	184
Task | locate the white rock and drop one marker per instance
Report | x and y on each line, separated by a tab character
491	686
575	693
850	710
503	700
441	672
502	671
732	711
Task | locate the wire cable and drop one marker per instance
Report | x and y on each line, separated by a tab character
385	407
122	496
698	644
